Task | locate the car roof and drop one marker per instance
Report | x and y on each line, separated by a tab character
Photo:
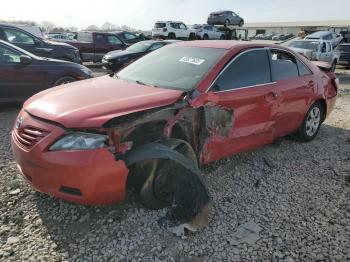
219	12
170	22
224	44
319	34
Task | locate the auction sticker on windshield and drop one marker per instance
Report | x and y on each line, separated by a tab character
192	60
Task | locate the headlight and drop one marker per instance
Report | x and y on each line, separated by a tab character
79	141
86	70
122	59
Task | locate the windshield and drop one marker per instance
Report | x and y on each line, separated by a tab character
311	45
139	47
173	67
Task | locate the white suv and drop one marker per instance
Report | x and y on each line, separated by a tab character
207	32
172	30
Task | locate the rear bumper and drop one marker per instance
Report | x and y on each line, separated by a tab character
91	177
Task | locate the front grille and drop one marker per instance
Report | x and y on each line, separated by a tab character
28	136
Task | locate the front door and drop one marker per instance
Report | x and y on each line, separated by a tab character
241	108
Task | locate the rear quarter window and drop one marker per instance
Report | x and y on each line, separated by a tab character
160	25
283	65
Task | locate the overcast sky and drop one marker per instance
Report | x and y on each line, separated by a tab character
142	14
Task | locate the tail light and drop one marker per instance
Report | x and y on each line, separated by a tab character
165	29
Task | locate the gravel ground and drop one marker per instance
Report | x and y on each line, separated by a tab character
283	202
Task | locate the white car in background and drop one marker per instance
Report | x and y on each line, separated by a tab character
207	32
316	50
326	36
173	30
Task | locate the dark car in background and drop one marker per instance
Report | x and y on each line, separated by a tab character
225	18
116	60
130	38
38	46
94	45
344	50
23	74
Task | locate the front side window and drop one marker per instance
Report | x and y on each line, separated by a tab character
247	69
8	56
113	40
180	68
283	65
183	27
17	37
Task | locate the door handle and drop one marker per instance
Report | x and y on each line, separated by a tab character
271	96
311	84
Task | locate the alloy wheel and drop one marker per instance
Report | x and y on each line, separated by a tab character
313	121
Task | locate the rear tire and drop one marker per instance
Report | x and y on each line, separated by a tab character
312	123
205	37
241	23
334	66
192	36
227	23
222	37
171	36
64	80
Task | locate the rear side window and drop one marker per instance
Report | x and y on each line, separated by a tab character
175	25
248	69
84	37
159	25
8	56
100	39
283	65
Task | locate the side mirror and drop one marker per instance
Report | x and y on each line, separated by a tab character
25	60
38	42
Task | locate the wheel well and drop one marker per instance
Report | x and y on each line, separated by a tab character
153	132
324	107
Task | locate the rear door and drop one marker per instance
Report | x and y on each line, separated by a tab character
18	82
295	90
101	46
240	114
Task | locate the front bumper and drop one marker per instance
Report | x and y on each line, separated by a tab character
91	177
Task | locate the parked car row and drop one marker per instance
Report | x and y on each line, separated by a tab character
273	36
23	74
39	46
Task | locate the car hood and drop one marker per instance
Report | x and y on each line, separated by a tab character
119	53
91	103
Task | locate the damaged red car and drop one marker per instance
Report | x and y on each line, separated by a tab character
152	124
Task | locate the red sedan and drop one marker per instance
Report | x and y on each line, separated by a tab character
149	125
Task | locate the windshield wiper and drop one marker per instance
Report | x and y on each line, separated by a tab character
144	84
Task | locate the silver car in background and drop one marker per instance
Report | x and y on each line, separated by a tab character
326	36
207	32
225	18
